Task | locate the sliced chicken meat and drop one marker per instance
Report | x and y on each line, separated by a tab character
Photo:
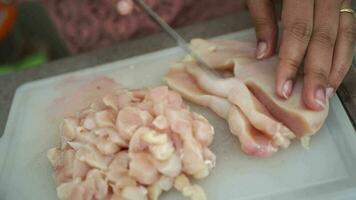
194	192
94	186
130	118
237	93
131	146
170	167
181	81
253	142
134	193
163	184
268	121
142	169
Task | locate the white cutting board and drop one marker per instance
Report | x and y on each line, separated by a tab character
326	171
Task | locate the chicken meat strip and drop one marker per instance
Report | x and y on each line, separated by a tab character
237	93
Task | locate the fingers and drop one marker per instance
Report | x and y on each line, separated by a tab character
319	56
344	48
262	12
297	30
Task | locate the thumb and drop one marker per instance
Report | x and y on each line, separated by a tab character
263	15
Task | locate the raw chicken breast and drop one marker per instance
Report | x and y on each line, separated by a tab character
262	121
259	78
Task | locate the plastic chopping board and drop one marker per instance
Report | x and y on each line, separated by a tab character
326	171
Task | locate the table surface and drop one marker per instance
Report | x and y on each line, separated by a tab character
143	45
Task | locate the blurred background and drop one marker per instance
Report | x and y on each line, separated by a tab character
36	32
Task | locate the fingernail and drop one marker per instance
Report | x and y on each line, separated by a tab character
287	88
329	92
320	97
261	49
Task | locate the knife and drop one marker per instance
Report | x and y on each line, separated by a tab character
175	36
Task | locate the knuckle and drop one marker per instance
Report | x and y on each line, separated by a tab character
291	64
317	73
334	84
339	74
324	37
348	32
265	25
299	29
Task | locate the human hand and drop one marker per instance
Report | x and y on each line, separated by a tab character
314	32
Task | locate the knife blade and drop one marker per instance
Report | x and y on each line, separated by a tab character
175	36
